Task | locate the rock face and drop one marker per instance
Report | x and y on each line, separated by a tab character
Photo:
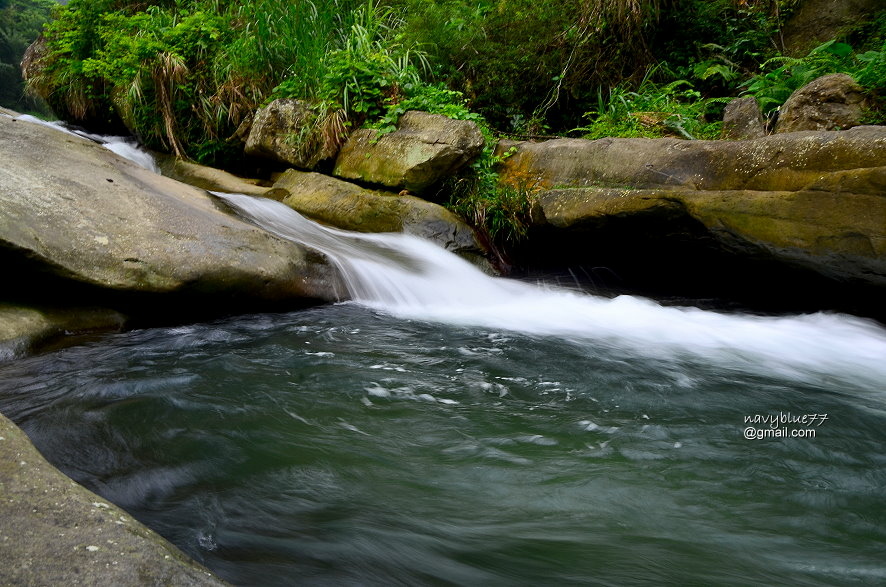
423	150
831	102
292	131
817	21
55	532
812	201
72	212
348	206
783	162
742	120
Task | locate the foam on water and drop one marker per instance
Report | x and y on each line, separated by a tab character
414	279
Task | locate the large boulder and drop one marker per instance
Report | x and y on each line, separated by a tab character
815	21
294	132
72	212
345	205
831	102
841	236
424	149
56	532
808	207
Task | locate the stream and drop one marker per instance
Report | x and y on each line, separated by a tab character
446	427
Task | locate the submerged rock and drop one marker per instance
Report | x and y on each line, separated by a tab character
56	532
345	205
23	328
72	212
831	102
425	149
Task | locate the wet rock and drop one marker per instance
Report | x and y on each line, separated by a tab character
208	178
72	212
345	205
55	532
424	149
24	328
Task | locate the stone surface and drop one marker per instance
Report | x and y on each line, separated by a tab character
72	210
785	162
423	150
345	205
55	532
23	328
742	120
808	202
290	131
831	102
208	178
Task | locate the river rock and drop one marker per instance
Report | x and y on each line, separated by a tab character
208	178
72	212
742	119
56	532
345	205
784	162
424	149
811	202
292	132
831	102
23	328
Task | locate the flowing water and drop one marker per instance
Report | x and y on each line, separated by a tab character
445	427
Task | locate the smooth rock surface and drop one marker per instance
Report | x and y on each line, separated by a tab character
785	162
72	210
345	205
55	532
425	149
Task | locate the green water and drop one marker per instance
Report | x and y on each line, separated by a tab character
340	446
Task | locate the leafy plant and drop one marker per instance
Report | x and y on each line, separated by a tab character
653	110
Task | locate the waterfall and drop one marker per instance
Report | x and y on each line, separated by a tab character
409	278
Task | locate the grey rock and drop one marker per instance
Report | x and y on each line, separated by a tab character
423	150
55	532
294	132
742	120
831	102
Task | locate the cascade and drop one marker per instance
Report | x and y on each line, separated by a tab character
409	278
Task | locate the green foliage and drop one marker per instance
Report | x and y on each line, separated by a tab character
654	110
783	75
20	24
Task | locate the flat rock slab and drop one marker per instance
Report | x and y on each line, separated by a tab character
55	532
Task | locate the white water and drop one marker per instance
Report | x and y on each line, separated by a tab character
413	279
